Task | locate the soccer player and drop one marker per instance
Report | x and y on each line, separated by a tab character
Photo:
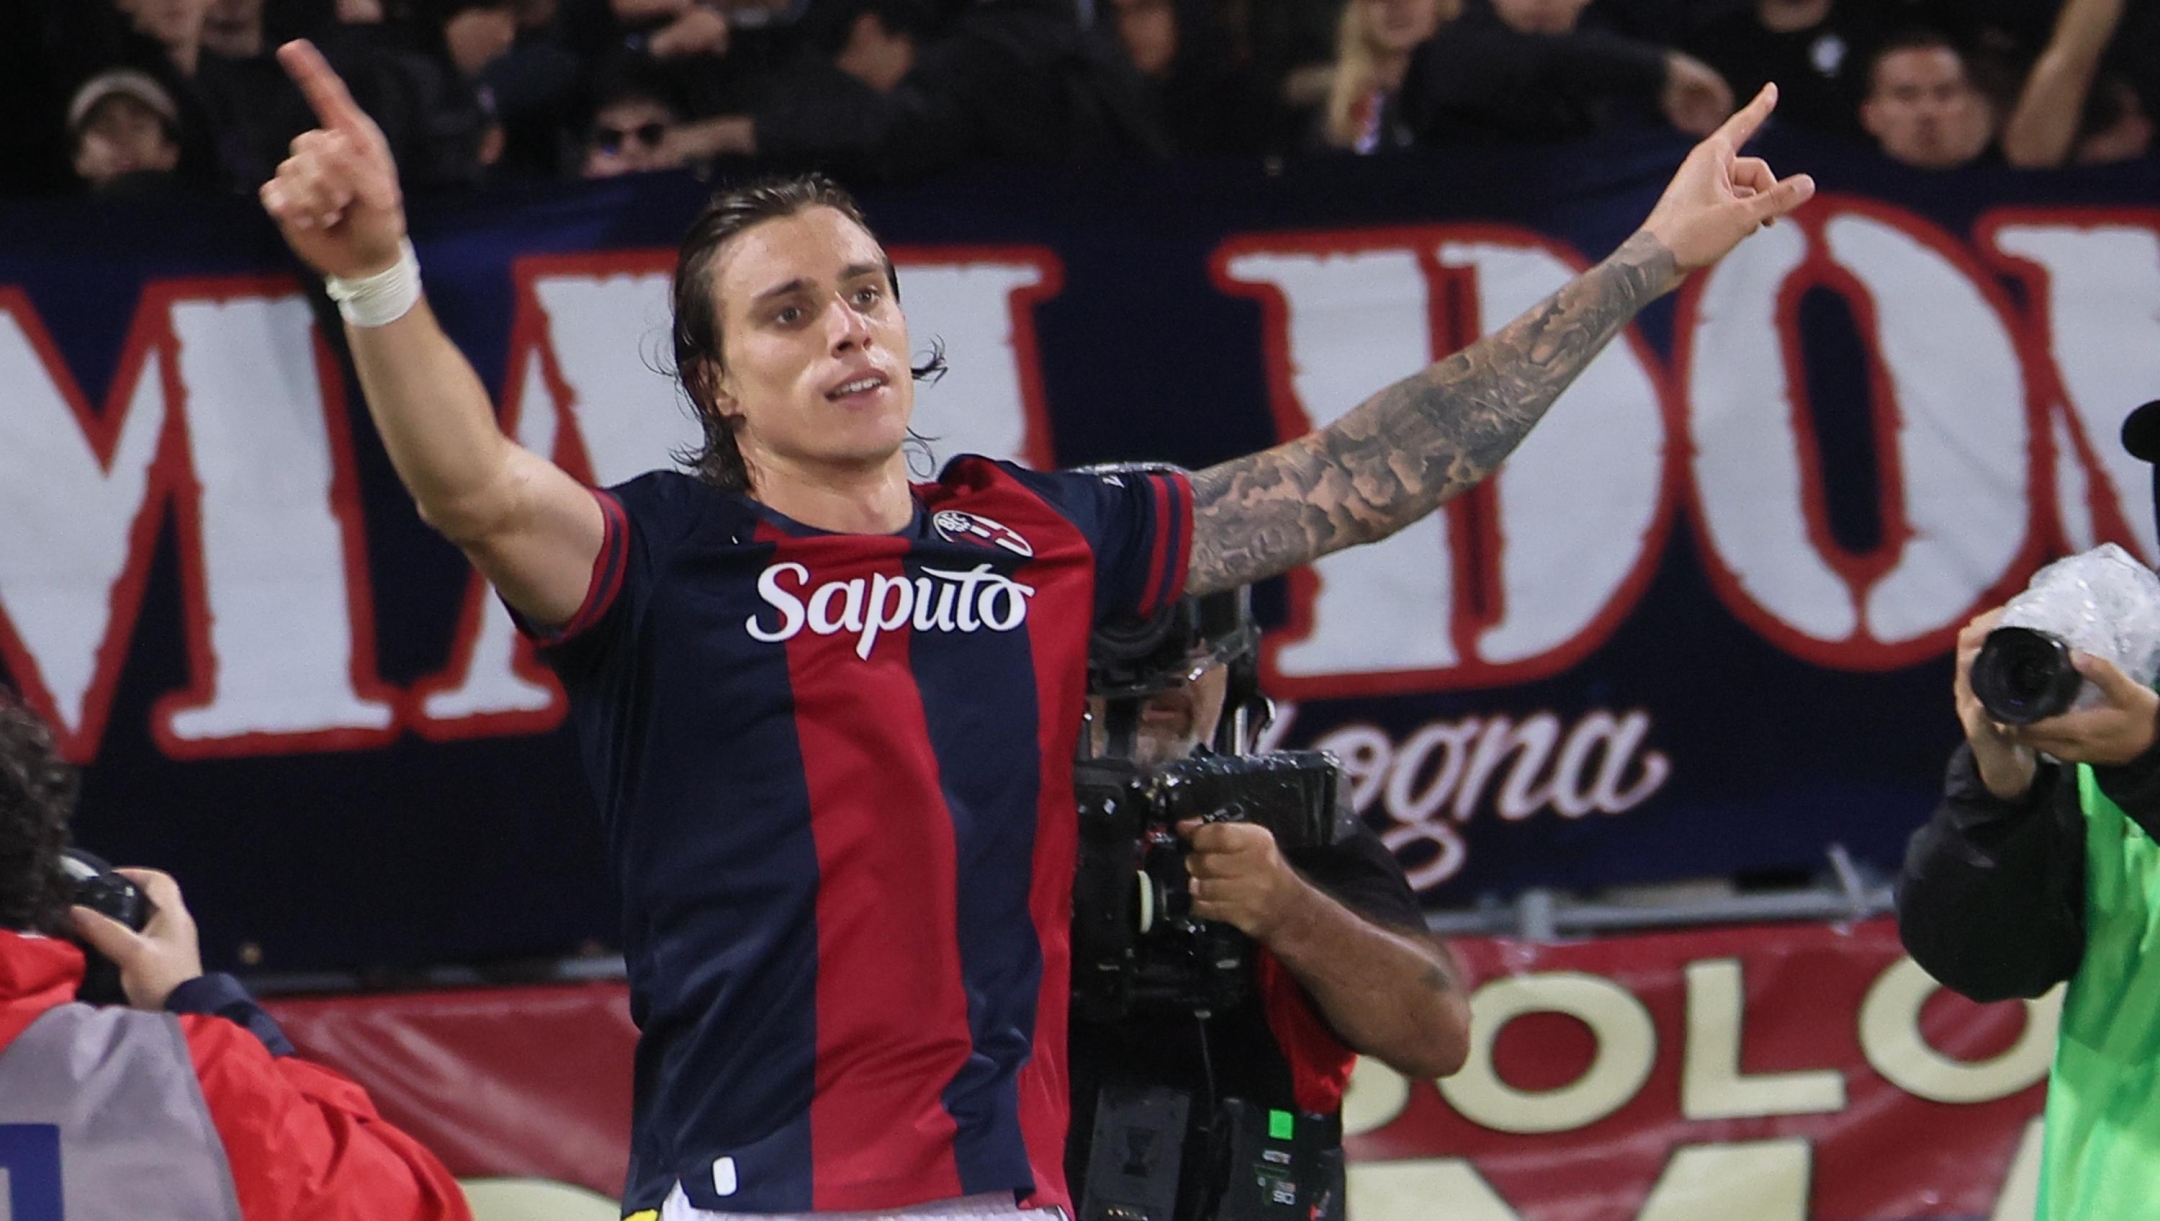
829	715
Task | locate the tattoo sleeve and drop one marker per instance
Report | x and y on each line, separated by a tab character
1408	449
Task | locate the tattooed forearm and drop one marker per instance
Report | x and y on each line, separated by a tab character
1414	445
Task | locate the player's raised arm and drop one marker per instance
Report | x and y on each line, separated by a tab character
1411	447
530	528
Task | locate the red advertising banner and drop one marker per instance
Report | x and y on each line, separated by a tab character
1773	1073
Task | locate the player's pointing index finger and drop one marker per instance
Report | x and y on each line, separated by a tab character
325	92
1741	126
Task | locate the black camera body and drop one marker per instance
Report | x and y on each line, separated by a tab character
107	893
1136	942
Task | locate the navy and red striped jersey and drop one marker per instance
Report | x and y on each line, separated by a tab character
835	776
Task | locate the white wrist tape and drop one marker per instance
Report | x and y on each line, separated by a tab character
382	298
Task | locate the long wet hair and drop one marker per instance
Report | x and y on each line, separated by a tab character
37	795
718	460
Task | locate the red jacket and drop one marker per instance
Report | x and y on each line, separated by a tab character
301	1141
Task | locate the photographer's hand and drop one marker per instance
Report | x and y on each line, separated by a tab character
2112	734
2006	767
156	960
1239	876
1390	993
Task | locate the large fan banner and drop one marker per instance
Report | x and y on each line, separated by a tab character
1698	624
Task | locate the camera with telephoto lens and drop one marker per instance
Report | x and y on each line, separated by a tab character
1135	939
2102	602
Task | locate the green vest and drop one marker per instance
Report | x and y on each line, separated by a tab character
2100	1157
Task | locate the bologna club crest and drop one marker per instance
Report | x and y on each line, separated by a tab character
954	525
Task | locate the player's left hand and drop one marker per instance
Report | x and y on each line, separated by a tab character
1719	197
1239	876
2119	729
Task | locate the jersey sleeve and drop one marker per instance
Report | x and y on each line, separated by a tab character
305	1144
1139	526
637	518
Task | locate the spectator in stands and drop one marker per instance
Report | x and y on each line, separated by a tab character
124	129
1527	70
1290	44
1922	105
1813	49
1374	44
190	1106
1206	100
2068	110
631	132
880	98
176	26
537	91
688	46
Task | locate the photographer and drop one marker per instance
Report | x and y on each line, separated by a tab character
2040	866
1339	964
190	1106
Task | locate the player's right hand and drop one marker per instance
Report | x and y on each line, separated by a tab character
336	199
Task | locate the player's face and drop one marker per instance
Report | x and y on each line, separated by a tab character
1173	723
814	350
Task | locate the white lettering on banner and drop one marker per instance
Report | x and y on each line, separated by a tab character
1761	1180
273	568
1422	1189
2020	1199
1444	772
1340	323
281	532
1890	1037
498	687
2073	489
1375	1095
2094	279
1957	461
1712	1086
79	493
268	512
587	387
1566	578
1767	1178
534	1200
939	600
1626	1049
980	304
1502	593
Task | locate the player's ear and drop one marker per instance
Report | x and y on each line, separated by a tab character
709	389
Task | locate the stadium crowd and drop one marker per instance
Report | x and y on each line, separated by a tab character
149	94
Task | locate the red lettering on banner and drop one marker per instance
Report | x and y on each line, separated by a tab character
67	622
2091	279
1954	410
1519	593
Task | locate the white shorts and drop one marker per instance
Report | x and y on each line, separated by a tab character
989	1206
